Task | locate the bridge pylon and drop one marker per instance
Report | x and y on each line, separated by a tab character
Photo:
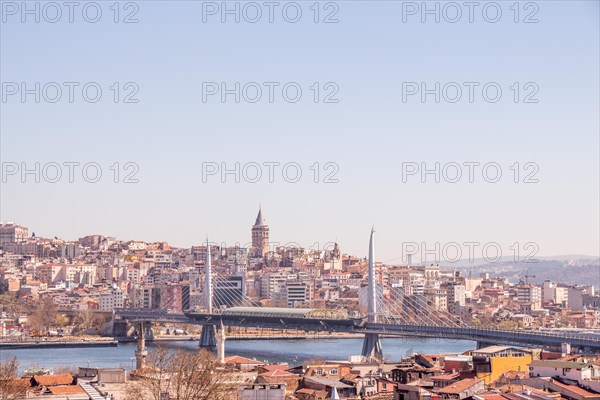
208	335
372	349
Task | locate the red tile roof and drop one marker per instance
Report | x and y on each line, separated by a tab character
574	389
445	377
53	380
66	389
278	373
241	360
459	387
491	396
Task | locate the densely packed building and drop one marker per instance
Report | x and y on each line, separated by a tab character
99	272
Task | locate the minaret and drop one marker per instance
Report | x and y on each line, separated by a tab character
372	292
260	236
208	288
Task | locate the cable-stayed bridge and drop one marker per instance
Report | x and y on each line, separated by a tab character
405	316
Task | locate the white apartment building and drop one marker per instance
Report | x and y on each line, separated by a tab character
49	273
576	294
530	294
553	293
456	298
112	299
79	273
12	233
575	371
270	282
297	293
134	275
136	245
436	298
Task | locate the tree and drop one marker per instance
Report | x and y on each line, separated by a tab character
508	324
87	320
62	320
181	375
11	387
42	316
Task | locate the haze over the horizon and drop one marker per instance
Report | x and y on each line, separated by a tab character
368	134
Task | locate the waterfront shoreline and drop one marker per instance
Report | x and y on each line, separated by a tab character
57	344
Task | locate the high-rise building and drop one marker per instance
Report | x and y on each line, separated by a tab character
260	236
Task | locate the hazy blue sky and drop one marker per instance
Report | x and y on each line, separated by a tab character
369	133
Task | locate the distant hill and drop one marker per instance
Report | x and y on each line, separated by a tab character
566	269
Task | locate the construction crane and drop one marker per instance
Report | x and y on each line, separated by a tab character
527	276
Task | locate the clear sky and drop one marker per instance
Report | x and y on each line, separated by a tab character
369	57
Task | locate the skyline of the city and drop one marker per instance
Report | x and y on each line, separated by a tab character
412	252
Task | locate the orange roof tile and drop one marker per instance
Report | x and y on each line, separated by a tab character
445	377
277	373
241	360
459	386
66	389
573	388
492	396
54	380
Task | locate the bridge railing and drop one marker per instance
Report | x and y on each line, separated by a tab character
499	332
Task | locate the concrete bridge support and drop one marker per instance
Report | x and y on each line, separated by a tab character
221	344
208	337
141	353
120	329
372	349
481	345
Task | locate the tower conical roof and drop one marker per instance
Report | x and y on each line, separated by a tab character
259	218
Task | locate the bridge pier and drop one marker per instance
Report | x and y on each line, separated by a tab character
372	349
141	353
481	345
120	329
208	337
221	344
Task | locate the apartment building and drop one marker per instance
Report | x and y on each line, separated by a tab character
530	294
12	233
111	299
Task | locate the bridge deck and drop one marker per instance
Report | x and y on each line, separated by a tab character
304	320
